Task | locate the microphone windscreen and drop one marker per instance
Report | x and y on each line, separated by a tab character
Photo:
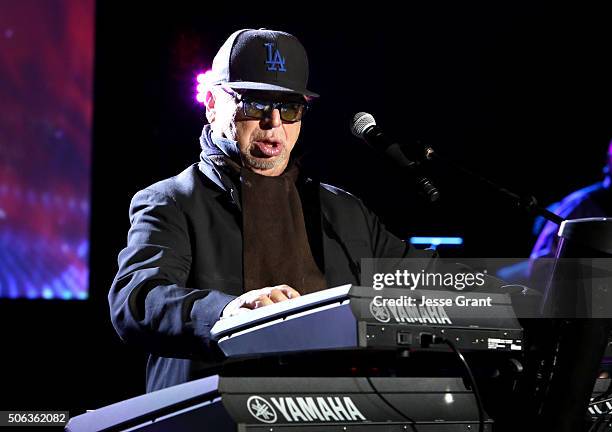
361	122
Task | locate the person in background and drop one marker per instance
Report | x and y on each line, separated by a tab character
592	201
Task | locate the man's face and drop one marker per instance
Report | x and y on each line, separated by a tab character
265	144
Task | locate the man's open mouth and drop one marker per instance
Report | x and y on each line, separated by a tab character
268	148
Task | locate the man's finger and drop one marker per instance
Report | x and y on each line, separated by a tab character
262	300
278	295
288	291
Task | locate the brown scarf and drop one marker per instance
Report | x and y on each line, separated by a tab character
275	243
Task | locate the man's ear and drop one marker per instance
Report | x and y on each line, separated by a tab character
209	101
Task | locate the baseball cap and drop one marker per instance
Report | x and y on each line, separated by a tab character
262	60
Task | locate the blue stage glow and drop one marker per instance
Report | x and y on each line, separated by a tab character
47	293
515	271
436	241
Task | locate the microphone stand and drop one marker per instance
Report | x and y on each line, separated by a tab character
425	187
526	202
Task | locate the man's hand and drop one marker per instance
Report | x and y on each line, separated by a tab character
259	298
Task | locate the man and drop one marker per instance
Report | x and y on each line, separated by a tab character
243	228
591	201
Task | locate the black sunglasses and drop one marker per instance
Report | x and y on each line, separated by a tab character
259	109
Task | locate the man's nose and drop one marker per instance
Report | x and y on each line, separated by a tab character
271	120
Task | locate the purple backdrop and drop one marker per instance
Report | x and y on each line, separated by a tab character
46	86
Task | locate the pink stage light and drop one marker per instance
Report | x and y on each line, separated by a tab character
202	79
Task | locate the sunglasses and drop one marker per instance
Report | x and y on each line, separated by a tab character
290	111
258	109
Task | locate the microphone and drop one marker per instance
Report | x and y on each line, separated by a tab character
364	126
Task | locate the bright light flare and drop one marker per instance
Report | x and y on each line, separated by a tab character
203	79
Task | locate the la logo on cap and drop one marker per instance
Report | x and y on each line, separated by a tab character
275	61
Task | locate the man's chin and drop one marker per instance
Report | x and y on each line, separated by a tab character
265	165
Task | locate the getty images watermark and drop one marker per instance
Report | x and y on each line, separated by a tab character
456	281
418	277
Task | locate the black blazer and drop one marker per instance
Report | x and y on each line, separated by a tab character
183	262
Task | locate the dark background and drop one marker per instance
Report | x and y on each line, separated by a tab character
519	93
